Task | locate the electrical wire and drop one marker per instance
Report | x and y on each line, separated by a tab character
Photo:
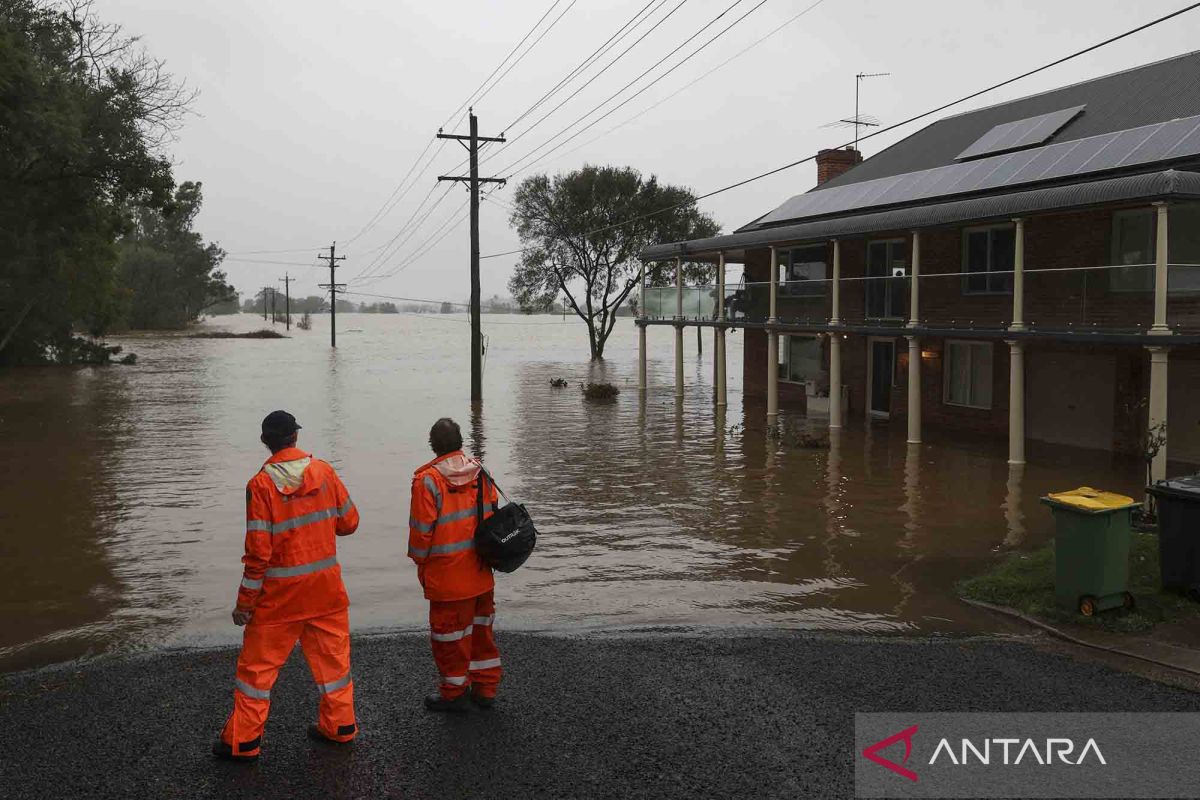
527	51
471	97
894	126
692	82
583	64
633	96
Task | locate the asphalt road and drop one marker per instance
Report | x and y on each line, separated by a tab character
660	715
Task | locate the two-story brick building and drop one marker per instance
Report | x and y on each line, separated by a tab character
1030	270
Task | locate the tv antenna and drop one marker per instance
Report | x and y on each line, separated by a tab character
859	120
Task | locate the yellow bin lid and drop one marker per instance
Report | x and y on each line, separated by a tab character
1088	499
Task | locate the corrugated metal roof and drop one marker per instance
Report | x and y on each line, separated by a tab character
1160	144
1152	93
1150	186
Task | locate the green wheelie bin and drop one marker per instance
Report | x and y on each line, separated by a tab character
1091	549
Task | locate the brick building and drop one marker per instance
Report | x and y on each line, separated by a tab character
1030	270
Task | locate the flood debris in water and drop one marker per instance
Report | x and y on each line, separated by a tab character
264	333
599	391
558	383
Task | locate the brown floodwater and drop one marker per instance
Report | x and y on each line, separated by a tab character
122	489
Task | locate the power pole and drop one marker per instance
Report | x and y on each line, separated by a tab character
274	316
287	300
334	287
471	143
264	297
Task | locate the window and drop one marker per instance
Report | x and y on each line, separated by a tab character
804	271
968	374
988	260
800	359
885	293
1134	243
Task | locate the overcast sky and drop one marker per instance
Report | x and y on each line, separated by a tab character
310	114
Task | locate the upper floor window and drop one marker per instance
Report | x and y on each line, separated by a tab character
988	260
1134	249
804	271
887	270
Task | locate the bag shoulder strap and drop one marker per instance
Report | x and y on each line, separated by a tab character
488	475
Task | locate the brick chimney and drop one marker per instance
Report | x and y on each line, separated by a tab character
831	163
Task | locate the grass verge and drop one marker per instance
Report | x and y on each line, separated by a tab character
1025	581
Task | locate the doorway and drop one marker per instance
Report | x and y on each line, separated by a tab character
881	369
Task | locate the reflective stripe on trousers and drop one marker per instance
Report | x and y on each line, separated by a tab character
453	636
333	686
250	691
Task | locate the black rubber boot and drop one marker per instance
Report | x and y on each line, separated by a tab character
480	700
317	735
435	702
224	751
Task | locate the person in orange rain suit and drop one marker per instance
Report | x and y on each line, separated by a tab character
457	583
292	589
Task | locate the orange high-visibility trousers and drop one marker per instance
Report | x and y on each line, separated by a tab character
265	648
463	645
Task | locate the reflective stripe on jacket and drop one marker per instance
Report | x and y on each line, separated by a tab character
441	528
296	507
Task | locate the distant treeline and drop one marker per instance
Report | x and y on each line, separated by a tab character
96	234
313	304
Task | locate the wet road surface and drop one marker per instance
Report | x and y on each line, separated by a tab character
648	716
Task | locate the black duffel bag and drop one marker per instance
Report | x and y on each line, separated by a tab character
505	539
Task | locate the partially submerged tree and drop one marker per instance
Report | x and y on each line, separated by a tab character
84	112
581	234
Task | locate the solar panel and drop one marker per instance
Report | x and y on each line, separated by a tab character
1163	141
1021	133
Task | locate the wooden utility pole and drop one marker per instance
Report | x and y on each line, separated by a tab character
334	287
471	143
264	297
287	300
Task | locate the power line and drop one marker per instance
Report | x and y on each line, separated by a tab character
584	64
541	35
590	80
645	88
381	212
892	127
409	227
471	97
694	81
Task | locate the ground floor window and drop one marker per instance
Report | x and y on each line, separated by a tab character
799	359
968	374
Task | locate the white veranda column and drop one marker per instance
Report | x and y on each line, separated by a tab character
835	381
1157	420
679	327
1016	402
1161	260
773	346
914	390
642	332
914	292
1018	314
722	378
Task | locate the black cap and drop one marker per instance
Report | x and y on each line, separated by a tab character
279	423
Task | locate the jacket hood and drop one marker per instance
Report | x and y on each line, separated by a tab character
457	468
289	471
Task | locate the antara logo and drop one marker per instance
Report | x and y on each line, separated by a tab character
1062	749
872	752
1007	752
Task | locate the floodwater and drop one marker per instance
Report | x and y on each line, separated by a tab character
122	489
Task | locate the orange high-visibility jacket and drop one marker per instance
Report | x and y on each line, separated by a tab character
441	528
296	506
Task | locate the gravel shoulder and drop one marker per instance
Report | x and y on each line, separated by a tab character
663	714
